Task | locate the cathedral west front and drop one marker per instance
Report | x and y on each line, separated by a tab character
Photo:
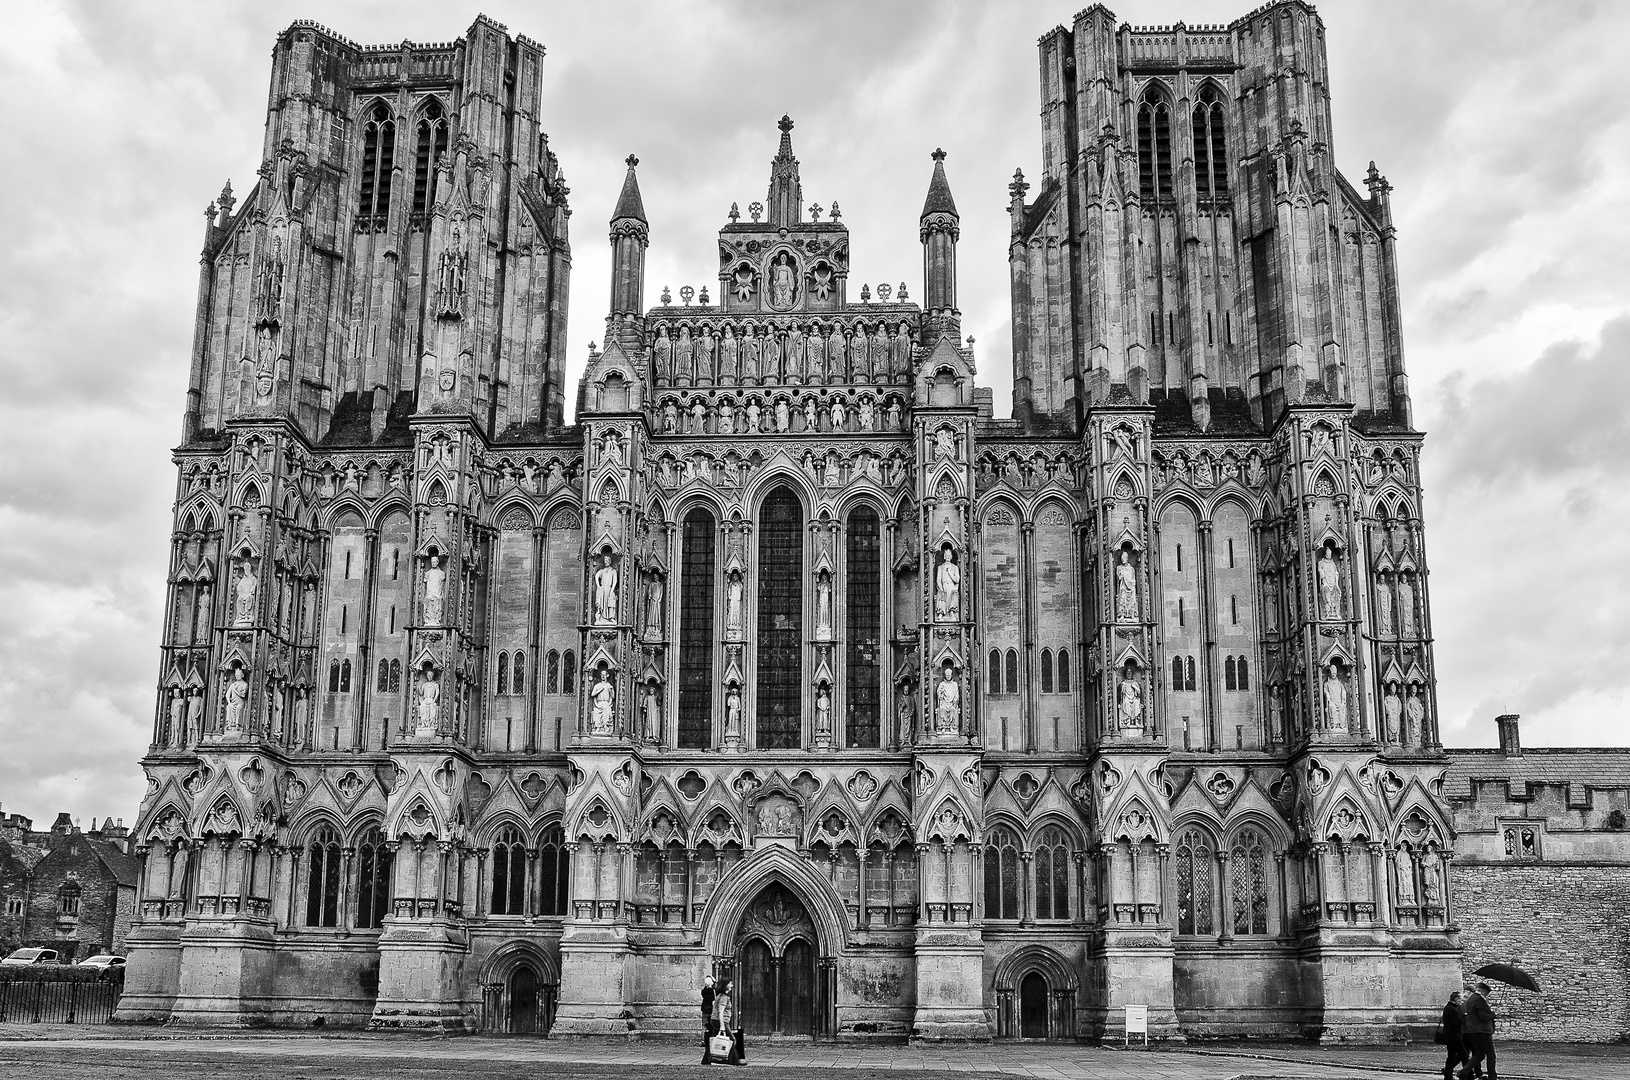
786	658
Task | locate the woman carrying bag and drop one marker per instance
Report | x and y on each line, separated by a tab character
728	1043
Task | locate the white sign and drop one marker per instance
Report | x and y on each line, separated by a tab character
1137	1023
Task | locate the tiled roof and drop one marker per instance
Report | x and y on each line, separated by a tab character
1578	767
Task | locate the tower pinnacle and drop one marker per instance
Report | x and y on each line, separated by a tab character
786	190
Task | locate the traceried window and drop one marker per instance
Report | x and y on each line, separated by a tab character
1052	863
1002	886
430	136
323	879
509	872
517	674
1195	860
993	672
373	880
1063	657
696	604
552	673
1047	671
1154	146
554	872
1248	878
780	621
1210	145
568	672
862	623
1013	671
68	899
503	673
378	159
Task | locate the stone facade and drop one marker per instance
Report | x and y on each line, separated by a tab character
787	658
65	889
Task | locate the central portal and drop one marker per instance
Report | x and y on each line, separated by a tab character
775	961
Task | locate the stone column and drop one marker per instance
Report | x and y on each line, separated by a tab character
1225	897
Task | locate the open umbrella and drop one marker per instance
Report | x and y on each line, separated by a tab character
1511	976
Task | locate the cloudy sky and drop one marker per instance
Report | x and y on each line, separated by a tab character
1502	127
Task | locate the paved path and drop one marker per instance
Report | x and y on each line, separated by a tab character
64	1053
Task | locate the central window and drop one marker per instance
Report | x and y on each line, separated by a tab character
780	621
862	691
696	632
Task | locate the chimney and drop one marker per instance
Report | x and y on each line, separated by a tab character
1510	744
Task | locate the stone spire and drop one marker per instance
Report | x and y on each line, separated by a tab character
629	237
939	199
939	230
786	190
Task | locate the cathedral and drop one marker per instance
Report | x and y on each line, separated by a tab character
786	659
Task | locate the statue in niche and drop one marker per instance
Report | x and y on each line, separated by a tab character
823	712
604	698
683	368
749	354
670	419
1127	609
728	356
906	715
834	469
815	355
176	724
205	604
840	415
1392	712
435	582
783	282
732	712
611	450
834	357
823	606
653	607
653	713
812	470
879	360
705	351
727	417
605	592
812	420
1121	435
900	350
893	415
734	603
194	729
353	478
1276	717
245	591
1329	585
944	444
783	416
793	366
1335	701
732	472
698	417
237	695
1406	605
867	415
275	696
947	587
1431	879
663	352
1383	607
1129	702
1415	713
1319	441
429	702
1405	868
947	702
754	417
861	356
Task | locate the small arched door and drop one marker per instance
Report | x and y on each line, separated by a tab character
523	1001
1033	1006
798	988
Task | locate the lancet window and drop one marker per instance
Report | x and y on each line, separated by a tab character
373	880
1210	145
378	159
780	621
1052	865
430	145
1003	887
863	618
323	879
1196	860
1154	147
696	584
1248	878
509	873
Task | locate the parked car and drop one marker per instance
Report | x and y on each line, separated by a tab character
102	961
24	957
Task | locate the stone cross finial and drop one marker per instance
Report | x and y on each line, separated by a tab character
786	123
939	155
631	161
814	211
836	213
667	297
735	213
755	209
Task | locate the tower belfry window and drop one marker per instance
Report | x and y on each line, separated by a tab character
1154	147
430	144
1210	145
378	159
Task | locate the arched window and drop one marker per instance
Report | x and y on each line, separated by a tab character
1244	670
554	872
568	672
431	144
1210	145
696	603
862	609
1052	862
384	676
1013	671
1063	671
345	676
1177	673
993	673
503	673
780	621
1001	875
1047	671
323	879
1154	147
517	678
334	676
552	673
396	676
1188	673
1248	874
1228	674
1194	891
378	159
509	873
373	880
68	899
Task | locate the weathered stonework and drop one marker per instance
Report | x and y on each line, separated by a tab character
787	659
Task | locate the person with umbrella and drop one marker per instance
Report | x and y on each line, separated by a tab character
1479	1035
1452	1034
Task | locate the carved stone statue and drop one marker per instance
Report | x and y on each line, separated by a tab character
783	415
867	414
429	707
670	419
1383	607
732	713
1392	711
1405	868
653	713
754	417
906	715
727	417
1329	586
663	352
823	712
683	368
823	606
611	450
947	703
947	587
1415	713
194	729
248	585
1129	703
605	592
237	694
749	355
435	582
1432	879
861	357
734	602
782	282
653	607
601	713
705	350
1406	605
1335	701
1127	608
944	444
840	415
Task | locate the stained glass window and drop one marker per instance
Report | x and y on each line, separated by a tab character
780	621
863	617
696	631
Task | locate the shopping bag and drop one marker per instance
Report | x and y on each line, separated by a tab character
719	1047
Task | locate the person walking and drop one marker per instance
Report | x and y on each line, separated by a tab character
1479	1035
1454	1036
710	1023
730	1023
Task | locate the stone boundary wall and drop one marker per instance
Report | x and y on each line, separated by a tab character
1569	927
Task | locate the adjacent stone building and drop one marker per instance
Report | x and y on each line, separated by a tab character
787	658
64	889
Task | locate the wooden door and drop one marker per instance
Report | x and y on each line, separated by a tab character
1033	1006
755	988
798	989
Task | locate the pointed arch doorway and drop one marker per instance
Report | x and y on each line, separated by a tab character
776	970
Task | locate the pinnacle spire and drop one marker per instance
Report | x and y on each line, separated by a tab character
939	199
786	198
629	204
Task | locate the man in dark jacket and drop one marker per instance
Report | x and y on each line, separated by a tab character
1454	1041
710	1026
1479	1034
